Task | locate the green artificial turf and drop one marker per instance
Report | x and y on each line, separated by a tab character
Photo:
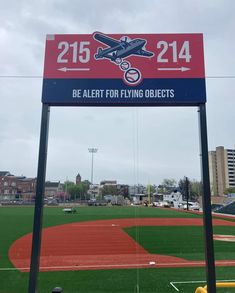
117	281
185	241
18	221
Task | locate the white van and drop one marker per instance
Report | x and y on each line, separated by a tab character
192	206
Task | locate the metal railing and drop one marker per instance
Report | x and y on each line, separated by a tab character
218	285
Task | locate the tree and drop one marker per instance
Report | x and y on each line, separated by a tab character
123	190
167	185
84	187
194	188
67	184
184	188
78	191
73	190
109	190
151	188
229	190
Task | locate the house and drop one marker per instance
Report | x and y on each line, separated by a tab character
53	189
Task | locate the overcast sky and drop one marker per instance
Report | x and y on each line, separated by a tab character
143	145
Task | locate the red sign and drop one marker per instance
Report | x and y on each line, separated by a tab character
124	69
77	56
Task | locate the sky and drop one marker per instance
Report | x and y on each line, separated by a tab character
135	145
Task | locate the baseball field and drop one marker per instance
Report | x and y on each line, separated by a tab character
113	249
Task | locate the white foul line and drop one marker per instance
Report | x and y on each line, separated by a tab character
152	264
96	226
174	286
81	266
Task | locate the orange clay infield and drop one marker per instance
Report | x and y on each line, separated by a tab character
101	244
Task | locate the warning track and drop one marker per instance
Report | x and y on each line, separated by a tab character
101	244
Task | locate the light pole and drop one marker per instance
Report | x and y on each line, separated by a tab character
92	151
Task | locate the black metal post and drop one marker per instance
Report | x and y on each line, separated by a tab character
38	211
206	202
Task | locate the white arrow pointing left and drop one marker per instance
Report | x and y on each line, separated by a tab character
65	69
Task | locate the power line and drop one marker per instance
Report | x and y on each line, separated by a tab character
21	76
40	76
222	76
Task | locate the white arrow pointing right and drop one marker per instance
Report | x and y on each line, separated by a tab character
174	69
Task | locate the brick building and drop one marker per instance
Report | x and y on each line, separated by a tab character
53	189
16	187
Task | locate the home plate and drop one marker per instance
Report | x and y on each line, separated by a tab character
152	263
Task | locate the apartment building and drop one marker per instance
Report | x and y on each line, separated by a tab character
222	170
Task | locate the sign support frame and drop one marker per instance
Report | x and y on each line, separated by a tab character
206	200
206	203
38	210
62	88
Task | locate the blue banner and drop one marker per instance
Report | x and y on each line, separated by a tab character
113	92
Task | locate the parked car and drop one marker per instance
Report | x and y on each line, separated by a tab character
163	204
192	206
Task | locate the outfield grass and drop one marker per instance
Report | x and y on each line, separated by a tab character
17	221
184	242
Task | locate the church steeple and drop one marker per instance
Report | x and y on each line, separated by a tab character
78	179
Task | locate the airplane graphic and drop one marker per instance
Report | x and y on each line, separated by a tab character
120	49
